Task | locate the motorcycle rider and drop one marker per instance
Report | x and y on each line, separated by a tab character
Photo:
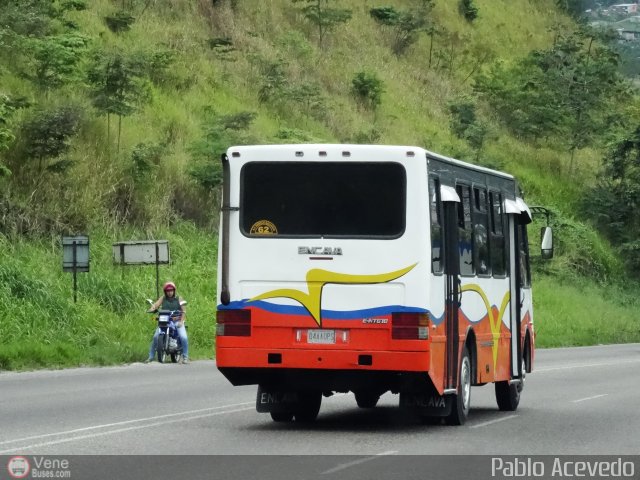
170	301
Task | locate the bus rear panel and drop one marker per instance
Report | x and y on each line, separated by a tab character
330	280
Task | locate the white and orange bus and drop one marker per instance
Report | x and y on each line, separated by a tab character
368	269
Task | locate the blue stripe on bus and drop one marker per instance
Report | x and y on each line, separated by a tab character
328	314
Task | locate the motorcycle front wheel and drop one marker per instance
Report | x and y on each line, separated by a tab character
160	348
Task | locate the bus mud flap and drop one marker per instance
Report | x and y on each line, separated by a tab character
273	400
426	403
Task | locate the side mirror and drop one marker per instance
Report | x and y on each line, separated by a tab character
183	302
546	243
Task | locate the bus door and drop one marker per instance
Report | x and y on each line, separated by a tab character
518	216
451	203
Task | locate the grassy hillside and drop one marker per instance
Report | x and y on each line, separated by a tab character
206	75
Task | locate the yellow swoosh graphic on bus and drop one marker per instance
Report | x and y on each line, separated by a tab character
494	322
318	278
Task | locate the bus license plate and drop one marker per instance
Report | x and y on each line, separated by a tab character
321	336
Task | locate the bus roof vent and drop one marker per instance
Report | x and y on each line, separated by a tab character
235	154
322	153
411	154
299	154
346	154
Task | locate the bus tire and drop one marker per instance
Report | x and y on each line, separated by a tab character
366	399
281	416
462	399
309	407
508	395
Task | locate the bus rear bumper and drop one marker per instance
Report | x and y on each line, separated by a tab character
334	370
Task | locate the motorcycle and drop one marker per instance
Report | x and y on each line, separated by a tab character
168	340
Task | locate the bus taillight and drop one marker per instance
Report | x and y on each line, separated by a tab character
409	326
233	323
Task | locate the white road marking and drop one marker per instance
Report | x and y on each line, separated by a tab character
78	371
490	422
584	365
357	462
596	347
120	430
590	398
126	422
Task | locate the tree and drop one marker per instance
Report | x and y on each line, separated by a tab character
406	25
6	111
274	81
584	79
433	31
476	55
521	99
452	49
309	97
468	10
615	200
324	17
119	85
368	89
28	18
46	136
8	107
220	131
155	65
6	132
56	59
466	126
120	21
565	91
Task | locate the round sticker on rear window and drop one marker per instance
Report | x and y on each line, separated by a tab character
263	227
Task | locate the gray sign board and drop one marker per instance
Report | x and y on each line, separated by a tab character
75	261
141	252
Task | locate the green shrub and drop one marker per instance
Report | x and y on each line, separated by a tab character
120	21
368	89
468	10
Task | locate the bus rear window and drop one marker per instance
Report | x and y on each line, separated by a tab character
323	199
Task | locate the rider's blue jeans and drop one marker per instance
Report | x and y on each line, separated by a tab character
182	333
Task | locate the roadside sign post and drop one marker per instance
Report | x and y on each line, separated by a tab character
142	252
158	270
75	258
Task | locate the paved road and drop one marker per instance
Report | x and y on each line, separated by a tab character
578	401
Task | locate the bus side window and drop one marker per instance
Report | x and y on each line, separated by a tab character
525	271
481	260
497	241
465	230
435	206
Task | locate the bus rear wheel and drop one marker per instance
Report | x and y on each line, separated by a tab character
462	399
366	399
309	407
281	416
